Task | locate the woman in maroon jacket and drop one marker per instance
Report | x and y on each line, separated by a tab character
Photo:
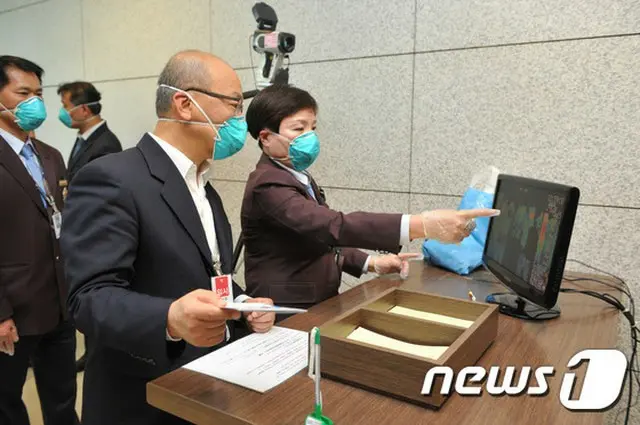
296	247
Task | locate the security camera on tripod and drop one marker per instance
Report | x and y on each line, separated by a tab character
274	45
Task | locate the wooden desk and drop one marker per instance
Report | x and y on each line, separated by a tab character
584	323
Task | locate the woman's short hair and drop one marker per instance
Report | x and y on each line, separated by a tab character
275	103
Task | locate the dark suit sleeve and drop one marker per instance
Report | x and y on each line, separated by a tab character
6	311
111	146
354	260
62	169
99	242
284	206
61	173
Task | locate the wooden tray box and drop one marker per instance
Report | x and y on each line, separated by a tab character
397	373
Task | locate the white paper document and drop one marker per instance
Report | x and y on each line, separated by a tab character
262	308
259	361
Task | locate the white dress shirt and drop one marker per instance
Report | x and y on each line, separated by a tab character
85	136
404	223
15	143
196	183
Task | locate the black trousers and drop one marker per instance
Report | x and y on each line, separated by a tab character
53	358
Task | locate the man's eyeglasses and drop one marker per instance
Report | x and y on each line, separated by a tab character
238	104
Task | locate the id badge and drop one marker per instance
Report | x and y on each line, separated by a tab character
223	286
56	217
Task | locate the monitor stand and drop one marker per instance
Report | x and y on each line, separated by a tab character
513	305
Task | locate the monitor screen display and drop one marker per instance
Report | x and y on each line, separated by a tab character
523	238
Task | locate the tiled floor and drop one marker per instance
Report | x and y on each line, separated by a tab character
30	394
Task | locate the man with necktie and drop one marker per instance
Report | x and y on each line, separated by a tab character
34	325
80	110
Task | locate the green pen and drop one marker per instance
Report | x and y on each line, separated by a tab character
316	418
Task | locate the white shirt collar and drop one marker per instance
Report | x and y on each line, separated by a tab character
301	177
15	143
85	136
185	166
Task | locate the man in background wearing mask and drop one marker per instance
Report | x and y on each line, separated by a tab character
144	233
33	317
81	110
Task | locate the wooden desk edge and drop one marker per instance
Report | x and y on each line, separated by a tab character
188	409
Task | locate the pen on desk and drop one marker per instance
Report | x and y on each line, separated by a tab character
316	418
471	296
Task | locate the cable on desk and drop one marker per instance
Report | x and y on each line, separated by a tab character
624	288
629	313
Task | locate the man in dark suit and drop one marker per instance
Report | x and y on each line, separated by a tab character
144	233
34	325
81	110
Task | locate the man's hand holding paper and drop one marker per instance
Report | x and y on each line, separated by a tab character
260	322
199	318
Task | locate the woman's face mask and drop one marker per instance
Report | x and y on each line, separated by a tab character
302	151
297	142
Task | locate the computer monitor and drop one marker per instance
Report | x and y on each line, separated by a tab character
527	244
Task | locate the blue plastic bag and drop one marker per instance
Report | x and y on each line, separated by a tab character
467	256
